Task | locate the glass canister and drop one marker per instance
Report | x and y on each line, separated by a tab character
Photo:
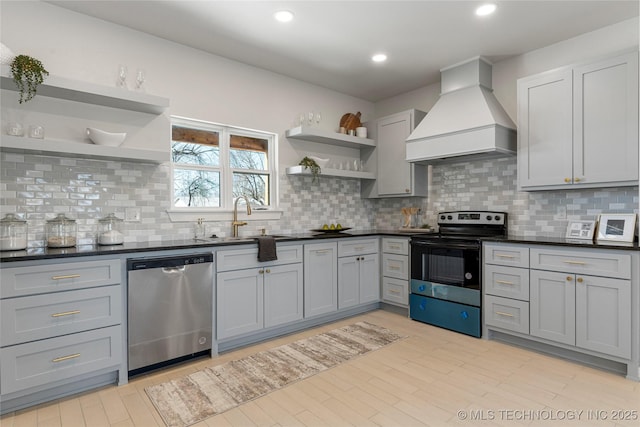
13	233
61	232
110	230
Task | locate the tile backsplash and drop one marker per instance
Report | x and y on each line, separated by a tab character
38	187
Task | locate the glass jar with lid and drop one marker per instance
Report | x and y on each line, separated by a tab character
13	233
110	230
61	232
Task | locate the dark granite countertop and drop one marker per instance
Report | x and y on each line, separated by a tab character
30	254
37	253
561	241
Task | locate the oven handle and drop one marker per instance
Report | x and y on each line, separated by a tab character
447	244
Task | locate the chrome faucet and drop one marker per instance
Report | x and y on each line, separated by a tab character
235	224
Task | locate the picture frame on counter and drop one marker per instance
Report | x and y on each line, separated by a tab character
616	227
581	230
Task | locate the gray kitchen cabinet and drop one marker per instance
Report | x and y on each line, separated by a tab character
320	278
396	177
395	270
358	272
261	296
61	326
578	126
506	286
552	306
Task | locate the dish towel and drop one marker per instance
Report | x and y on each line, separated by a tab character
267	248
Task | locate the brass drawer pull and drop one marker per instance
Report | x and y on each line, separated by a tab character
66	276
394	292
65	313
395	246
575	262
504	282
322	251
359	248
502	313
505	256
63	358
393	267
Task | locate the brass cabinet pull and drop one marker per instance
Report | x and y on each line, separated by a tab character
65	313
260	271
567	180
394	292
394	246
268	270
502	313
504	282
576	179
66	276
505	256
359	248
393	267
322	251
569	278
575	262
579	280
63	358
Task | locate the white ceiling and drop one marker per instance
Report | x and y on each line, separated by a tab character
330	43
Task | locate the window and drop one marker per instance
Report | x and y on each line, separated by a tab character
214	164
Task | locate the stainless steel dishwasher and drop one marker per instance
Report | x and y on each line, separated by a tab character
169	309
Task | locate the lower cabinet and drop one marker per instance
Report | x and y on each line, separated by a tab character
580	298
251	299
358	272
60	327
320	278
395	270
589	312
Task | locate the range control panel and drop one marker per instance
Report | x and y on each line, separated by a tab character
472	217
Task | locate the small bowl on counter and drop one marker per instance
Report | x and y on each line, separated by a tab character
110	139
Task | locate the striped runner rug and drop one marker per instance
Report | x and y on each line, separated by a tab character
211	391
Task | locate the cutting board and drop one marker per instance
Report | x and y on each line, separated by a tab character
350	121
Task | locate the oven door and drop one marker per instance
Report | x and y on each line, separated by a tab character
446	270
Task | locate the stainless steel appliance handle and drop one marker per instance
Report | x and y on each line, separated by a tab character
447	244
170	270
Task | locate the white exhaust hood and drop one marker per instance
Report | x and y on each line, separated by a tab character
467	119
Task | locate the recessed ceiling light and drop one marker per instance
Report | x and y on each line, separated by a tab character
379	57
283	16
486	9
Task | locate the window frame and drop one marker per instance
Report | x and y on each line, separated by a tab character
226	172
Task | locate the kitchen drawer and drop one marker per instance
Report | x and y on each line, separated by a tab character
596	262
395	266
506	254
508	282
45	316
394	245
506	313
238	259
42	362
395	291
38	279
350	247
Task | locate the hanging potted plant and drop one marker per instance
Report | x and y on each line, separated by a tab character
28	73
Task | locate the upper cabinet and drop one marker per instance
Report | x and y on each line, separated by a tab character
87	93
395	176
305	133
578	126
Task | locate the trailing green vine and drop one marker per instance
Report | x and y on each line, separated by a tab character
28	73
311	164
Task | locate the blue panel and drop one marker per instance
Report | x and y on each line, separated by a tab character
446	292
449	315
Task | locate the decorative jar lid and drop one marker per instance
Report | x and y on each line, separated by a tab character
61	219
11	219
111	218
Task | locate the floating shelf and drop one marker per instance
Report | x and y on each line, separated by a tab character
53	147
305	133
90	93
300	170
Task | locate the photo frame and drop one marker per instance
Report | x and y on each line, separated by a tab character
581	230
616	227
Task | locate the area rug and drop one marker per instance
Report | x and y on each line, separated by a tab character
211	391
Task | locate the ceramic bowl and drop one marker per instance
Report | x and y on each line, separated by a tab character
101	137
321	162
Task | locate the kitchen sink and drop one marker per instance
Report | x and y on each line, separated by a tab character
241	238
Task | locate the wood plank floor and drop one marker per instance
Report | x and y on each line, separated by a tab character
433	377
